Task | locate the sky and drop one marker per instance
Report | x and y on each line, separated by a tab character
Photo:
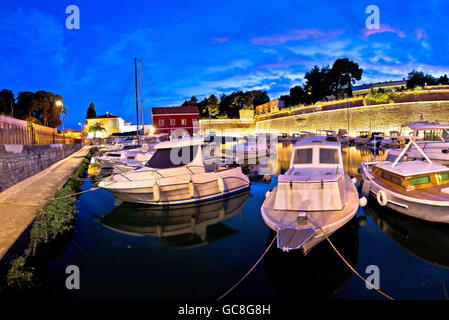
202	47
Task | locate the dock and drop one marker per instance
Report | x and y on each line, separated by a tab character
20	203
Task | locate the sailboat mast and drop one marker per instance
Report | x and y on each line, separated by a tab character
141	95
137	102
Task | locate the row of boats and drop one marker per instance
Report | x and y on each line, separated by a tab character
312	199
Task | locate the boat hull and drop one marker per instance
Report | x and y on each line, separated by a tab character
414	207
281	219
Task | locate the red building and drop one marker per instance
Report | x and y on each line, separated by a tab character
167	119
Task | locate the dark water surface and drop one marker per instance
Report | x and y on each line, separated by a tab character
136	252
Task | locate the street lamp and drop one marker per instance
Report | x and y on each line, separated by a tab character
60	104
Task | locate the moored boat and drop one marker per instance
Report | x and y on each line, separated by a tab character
314	198
416	188
177	174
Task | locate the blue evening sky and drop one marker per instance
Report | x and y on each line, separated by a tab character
201	47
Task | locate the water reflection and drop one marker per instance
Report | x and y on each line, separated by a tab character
426	240
320	274
178	226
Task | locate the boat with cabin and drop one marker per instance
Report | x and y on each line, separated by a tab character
314	197
416	188
177	173
363	138
433	140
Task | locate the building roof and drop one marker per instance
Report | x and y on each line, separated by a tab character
175	110
107	115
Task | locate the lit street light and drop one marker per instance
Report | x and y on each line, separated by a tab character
60	104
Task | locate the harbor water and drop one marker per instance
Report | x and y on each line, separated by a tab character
128	251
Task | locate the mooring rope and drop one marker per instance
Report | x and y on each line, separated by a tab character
347	263
74	194
250	270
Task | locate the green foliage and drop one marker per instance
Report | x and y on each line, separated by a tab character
7	102
382	97
419	79
18	275
91	112
96	127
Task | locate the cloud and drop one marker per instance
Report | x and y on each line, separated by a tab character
382	29
420	33
298	34
220	40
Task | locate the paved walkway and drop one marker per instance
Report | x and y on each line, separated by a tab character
19	203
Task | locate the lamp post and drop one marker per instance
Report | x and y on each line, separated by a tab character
63	112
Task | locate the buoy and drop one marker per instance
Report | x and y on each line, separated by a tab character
191	190
267	178
267	194
382	198
362	221
363	201
156	192
354	180
221	185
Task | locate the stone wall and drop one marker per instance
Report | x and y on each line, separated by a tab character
377	118
227	127
18	162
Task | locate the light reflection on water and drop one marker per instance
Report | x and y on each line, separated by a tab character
197	253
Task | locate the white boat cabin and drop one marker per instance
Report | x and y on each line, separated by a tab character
315	180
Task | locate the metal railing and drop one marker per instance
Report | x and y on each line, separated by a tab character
15	131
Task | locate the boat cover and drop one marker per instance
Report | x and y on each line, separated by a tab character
290	239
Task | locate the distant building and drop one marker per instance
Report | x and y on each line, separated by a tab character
365	88
113	124
269	107
167	119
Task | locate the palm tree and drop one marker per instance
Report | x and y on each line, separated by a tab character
97	126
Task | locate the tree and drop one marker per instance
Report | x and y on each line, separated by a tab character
259	97
47	111
7	102
419	79
213	106
342	76
26	105
91	112
96	127
192	102
317	86
444	80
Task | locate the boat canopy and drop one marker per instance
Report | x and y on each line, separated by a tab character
426	125
316	152
408	168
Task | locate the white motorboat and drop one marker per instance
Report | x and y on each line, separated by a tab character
433	140
416	188
314	198
177	174
329	134
125	157
250	148
393	140
363	138
376	139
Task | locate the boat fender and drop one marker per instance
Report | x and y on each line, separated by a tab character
221	185
354	180
145	148
382	198
156	192
191	190
363	201
267	194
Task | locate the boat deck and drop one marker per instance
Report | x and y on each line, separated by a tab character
431	193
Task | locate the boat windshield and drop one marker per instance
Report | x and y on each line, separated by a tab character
329	156
172	158
303	156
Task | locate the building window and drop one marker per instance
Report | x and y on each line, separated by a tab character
161	122
172	122
111	124
183	122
